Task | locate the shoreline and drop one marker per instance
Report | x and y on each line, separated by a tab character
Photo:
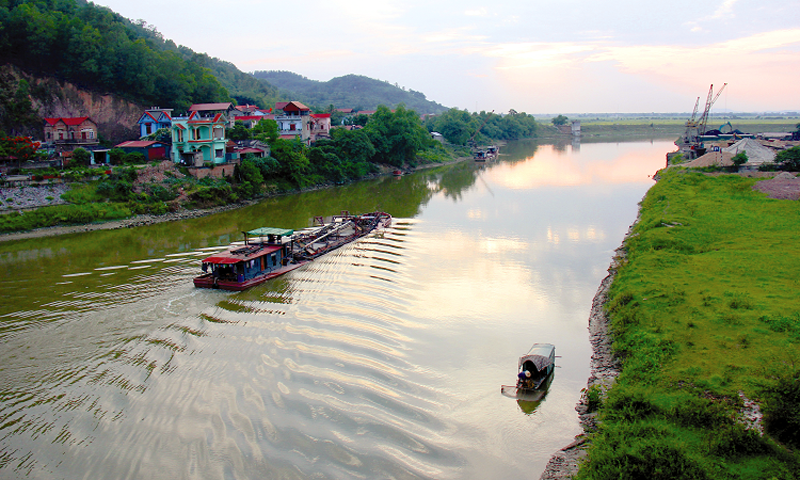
604	369
148	219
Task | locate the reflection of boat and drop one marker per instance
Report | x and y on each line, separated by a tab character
535	372
269	252
486	153
528	401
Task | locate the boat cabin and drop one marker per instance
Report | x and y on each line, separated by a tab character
536	365
255	258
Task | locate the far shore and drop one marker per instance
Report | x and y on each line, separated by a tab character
142	220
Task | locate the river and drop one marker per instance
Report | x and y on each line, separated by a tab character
383	359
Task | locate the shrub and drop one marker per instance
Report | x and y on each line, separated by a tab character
782	406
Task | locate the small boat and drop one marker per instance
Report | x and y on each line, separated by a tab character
535	370
486	153
397	173
269	252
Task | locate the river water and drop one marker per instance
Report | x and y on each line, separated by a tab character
383	359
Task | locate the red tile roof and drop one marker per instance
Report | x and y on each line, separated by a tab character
295	107
71	121
321	115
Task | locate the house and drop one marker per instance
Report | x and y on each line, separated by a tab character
252	147
71	131
198	139
294	121
251	121
154	119
346	111
207	109
151	150
319	126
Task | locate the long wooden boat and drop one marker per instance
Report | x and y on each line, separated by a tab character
535	368
269	252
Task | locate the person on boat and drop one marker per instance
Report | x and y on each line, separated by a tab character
524	376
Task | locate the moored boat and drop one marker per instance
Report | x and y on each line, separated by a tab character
269	252
535	369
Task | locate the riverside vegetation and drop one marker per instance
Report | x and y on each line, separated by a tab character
393	139
705	316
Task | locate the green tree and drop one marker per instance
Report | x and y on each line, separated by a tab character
81	156
397	136
239	132
457	126
739	159
266	131
116	156
789	159
559	120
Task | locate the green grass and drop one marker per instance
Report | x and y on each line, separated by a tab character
705	305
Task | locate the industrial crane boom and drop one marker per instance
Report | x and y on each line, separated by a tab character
709	103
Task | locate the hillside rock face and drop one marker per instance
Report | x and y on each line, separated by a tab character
116	118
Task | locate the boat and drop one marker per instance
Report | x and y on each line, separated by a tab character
486	153
535	371
269	252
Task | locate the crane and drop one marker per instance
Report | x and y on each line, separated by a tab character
709	103
690	142
471	140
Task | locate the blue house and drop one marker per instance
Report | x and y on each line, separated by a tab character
154	119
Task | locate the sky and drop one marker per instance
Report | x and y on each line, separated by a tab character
534	56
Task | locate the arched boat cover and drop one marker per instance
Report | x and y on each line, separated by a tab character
541	355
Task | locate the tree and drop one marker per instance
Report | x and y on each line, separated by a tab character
81	156
239	132
559	120
739	159
789	159
266	131
396	136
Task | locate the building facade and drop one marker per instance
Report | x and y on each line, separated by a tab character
199	139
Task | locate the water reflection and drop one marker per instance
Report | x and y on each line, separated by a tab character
380	359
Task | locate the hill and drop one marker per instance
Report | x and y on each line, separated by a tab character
350	91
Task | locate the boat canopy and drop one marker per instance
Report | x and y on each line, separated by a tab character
265	231
241	255
541	356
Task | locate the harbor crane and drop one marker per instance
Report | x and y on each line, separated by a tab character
471	140
691	143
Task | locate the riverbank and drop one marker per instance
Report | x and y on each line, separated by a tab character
701	303
33	197
604	369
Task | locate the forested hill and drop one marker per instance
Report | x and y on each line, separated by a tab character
350	91
100	51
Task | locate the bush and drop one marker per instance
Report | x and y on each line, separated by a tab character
782	407
789	159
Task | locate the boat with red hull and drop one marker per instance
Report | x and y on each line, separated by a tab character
269	252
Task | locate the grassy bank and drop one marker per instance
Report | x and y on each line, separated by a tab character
704	311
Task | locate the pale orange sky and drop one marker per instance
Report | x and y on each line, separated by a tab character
572	56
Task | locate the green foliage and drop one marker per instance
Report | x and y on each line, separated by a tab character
396	136
690	336
739	159
62	215
247	175
266	131
782	408
116	156
82	193
559	120
239	132
91	46
789	159
81	156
